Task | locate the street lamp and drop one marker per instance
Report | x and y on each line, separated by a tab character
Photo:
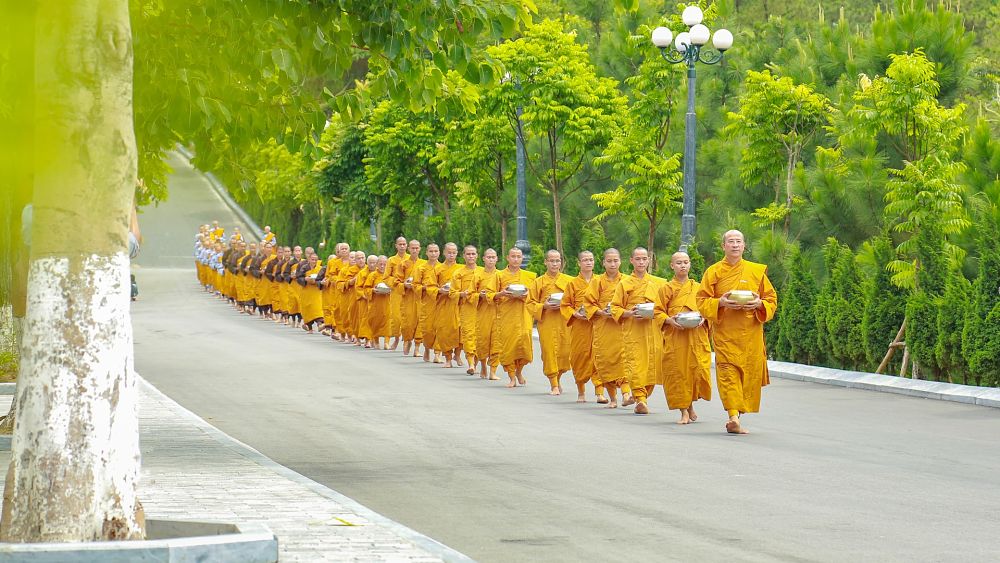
687	48
520	177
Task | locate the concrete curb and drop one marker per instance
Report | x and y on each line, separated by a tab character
224	194
428	544
968	394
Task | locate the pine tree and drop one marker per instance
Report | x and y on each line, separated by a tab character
797	315
884	304
982	326
950	325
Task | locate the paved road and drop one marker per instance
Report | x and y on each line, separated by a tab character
515	475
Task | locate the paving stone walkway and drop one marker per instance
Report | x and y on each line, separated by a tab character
192	471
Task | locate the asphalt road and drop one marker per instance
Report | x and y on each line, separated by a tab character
827	474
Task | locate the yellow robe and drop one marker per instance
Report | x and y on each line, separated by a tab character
687	356
465	280
487	345
366	280
513	325
395	273
310	300
608	336
378	306
266	296
329	291
346	324
740	355
553	338
581	333
643	337
446	325
425	280
410	306
242	293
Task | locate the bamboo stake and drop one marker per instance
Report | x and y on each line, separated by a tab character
896	343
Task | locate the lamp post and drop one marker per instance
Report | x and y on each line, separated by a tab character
687	48
520	177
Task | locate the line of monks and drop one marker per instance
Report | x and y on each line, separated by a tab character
619	332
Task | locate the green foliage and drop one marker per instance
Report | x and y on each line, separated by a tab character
838	308
884	304
797	336
951	317
921	331
982	323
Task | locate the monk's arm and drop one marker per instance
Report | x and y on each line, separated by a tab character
708	303
768	300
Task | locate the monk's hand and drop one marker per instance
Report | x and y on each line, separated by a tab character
549	306
753	304
672	322
728	303
463	294
629	313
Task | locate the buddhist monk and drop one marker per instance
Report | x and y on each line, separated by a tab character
425	280
687	355
643	338
266	294
217	231
271	273
356	306
608	336
379	305
446	337
395	274
326	278
738	328
268	235
292	290
345	285
462	288
410	307
343	250
310	298
553	337
581	331
513	328
486	286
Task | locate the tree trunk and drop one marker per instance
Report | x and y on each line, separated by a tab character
651	239
75	454
792	158
896	343
503	233
557	222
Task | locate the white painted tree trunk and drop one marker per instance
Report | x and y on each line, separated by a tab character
75	450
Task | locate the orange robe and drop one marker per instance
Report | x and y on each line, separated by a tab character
609	338
266	296
378	306
687	356
487	346
643	337
465	280
410	306
366	280
395	273
581	334
343	310
513	328
425	281
740	355
553	338
310	300
329	291
446	316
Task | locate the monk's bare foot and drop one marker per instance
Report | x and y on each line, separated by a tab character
555	391
438	359
628	400
470	371
691	415
612	405
427	355
602	400
395	343
733	427
685	419
581	398
520	380
511	384
406	348
641	408
493	375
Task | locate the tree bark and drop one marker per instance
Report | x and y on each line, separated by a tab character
896	343
75	447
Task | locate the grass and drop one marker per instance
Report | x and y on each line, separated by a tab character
8	366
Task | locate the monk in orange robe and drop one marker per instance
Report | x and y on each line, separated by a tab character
486	285
463	286
446	337
643	338
687	354
327	280
345	286
513	324
366	281
379	305
310	299
553	336
738	327
608	336
581	330
410	307
394	278
425	282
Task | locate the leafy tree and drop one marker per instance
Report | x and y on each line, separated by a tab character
883	303
797	315
951	317
982	323
569	110
838	313
778	119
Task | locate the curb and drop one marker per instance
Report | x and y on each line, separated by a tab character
426	543
224	194
968	394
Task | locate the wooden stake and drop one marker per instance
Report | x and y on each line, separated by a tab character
896	343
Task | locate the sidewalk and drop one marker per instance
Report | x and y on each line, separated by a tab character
193	471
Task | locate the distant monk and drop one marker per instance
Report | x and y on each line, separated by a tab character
394	276
378	306
609	341
426	284
310	298
446	339
643	339
410	307
553	337
513	329
346	291
463	287
687	355
487	284
740	356
581	330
